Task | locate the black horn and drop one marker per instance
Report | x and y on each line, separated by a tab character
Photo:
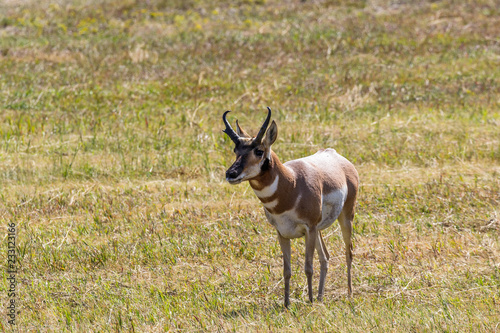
229	130
259	136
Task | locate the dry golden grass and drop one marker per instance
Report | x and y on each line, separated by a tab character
112	162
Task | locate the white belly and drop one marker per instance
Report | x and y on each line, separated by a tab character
289	225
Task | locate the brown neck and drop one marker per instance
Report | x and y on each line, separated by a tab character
276	187
267	177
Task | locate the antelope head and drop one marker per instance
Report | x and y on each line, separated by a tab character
252	153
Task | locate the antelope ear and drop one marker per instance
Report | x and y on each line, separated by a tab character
271	135
241	132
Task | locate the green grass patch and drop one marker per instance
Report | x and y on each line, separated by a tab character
112	162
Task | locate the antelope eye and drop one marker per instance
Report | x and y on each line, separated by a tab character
259	152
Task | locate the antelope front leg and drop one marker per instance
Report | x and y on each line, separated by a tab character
311	238
287	270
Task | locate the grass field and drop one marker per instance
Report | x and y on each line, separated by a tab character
112	162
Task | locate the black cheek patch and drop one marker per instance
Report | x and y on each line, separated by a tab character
265	165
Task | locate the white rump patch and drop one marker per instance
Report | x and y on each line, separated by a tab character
268	191
333	203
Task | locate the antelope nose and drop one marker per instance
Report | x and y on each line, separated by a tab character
231	174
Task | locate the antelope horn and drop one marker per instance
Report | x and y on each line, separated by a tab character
259	136
229	130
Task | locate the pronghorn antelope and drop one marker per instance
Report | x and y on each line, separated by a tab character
300	197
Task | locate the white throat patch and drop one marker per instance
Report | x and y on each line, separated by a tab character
268	191
271	204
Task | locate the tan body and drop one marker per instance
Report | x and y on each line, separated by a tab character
310	191
300	198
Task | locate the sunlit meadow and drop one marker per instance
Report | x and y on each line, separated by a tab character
112	162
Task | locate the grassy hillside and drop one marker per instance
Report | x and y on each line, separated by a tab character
112	162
